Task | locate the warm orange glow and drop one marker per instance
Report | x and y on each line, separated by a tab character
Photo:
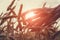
29	15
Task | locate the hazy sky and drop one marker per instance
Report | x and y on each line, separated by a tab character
28	4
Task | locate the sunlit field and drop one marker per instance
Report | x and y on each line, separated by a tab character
29	19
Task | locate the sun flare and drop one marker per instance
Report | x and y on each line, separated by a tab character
29	15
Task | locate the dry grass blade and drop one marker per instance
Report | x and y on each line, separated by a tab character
12	10
10	5
20	11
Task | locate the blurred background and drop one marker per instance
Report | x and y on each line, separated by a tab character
13	25
28	4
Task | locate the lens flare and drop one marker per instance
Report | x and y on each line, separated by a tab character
30	15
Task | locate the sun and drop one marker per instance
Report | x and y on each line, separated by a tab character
29	15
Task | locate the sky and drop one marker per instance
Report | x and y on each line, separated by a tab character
28	4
